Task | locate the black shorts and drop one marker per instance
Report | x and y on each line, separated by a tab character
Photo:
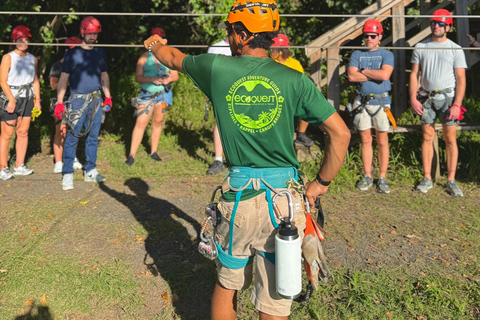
20	111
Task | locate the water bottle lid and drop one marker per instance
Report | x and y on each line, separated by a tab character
288	230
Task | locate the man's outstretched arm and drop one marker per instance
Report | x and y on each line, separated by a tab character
168	56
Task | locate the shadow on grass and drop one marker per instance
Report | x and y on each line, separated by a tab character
171	251
190	140
36	313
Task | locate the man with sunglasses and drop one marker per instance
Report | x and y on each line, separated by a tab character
442	72
371	69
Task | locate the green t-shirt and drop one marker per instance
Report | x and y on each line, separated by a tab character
255	101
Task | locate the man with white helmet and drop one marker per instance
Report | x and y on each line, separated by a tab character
85	70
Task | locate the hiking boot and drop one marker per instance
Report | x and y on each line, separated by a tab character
22	170
130	161
67	182
94	176
58	167
303	139
155	157
5	174
77	165
382	186
215	168
425	185
453	189
365	183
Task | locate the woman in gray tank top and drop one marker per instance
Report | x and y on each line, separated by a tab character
21	93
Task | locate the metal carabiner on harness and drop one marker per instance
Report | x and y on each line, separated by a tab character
207	246
211	210
290	206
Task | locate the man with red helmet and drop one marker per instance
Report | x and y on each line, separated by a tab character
21	94
371	69
85	70
255	100
280	52
60	126
443	83
156	96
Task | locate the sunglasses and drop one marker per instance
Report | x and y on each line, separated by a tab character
371	36
441	24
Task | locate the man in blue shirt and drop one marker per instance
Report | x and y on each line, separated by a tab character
85	69
371	68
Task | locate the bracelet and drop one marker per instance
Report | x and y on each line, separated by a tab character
322	182
151	44
455	105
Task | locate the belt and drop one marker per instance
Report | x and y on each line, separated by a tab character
83	95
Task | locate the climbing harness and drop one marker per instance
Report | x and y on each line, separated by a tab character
428	100
4	99
358	106
72	118
206	246
147	106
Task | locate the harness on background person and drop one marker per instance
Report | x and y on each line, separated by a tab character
4	99
148	105
428	101
357	107
72	118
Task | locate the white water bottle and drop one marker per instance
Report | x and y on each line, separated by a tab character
288	262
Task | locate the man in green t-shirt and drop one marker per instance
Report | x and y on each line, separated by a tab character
255	101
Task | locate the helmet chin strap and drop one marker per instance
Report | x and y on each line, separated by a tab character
240	44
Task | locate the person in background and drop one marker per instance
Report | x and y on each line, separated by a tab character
60	126
280	52
85	69
371	69
220	47
472	41
442	72
155	98
20	85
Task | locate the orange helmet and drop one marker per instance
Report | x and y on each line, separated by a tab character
158	31
20	32
280	41
373	26
90	25
73	40
442	15
259	16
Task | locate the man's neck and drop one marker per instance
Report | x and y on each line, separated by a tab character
257	52
439	39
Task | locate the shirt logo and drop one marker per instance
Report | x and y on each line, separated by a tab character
255	103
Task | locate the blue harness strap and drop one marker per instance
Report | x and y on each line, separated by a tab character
242	178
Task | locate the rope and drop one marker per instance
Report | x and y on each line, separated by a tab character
287	15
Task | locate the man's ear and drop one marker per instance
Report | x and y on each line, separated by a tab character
380	37
243	36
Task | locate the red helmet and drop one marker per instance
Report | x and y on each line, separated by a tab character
73	40
158	31
20	32
373	26
280	41
259	16
90	25
442	15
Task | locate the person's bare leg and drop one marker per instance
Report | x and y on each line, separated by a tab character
224	303
451	148
58	141
367	151
157	125
427	149
139	130
5	136
302	126
217	142
23	124
264	316
383	152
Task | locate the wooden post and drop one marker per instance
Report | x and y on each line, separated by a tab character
316	68
333	76
400	98
461	8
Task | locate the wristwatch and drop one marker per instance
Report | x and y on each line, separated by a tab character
321	181
361	70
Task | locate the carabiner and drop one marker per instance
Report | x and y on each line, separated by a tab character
290	205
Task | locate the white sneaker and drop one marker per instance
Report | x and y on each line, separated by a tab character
77	165
93	176
58	167
67	183
22	170
5	174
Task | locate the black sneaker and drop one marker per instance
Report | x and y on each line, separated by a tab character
215	168
130	161
155	157
303	139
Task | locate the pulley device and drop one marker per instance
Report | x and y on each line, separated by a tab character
207	246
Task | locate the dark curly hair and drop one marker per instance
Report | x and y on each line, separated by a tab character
262	40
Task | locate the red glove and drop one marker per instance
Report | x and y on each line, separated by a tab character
107	103
462	111
59	110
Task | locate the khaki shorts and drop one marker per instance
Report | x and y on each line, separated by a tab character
254	232
364	121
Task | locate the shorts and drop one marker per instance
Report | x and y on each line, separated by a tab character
439	109
364	121
26	112
254	232
166	97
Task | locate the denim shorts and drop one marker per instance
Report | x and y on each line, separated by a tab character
145	96
439	108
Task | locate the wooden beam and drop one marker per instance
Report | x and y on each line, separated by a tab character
333	77
399	76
